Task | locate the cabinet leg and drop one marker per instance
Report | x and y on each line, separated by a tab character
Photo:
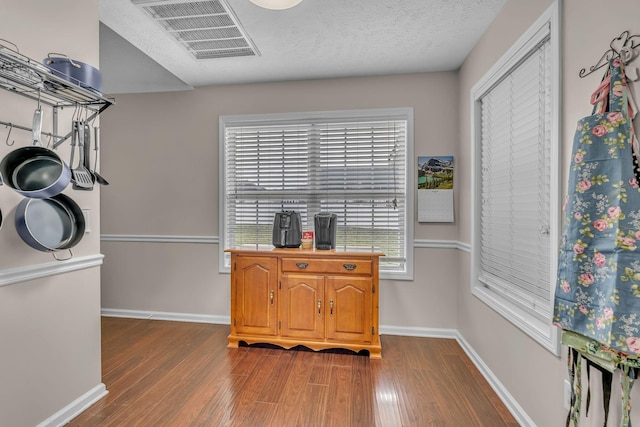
233	342
375	353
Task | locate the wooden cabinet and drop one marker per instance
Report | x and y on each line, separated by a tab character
302	313
254	296
319	299
349	307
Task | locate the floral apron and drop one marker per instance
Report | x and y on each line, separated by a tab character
597	297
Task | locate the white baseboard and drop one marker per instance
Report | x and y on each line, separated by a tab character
411	331
75	408
512	405
510	402
162	315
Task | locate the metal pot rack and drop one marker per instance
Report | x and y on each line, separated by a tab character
24	76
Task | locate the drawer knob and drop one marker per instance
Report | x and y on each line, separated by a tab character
302	265
349	267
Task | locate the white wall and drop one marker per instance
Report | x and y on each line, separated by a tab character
49	327
531	374
161	156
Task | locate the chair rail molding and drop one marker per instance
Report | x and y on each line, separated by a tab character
12	276
159	238
442	244
214	240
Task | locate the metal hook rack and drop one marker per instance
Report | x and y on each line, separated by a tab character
8	135
24	76
623	47
12	126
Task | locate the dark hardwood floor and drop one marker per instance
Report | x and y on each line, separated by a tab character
181	374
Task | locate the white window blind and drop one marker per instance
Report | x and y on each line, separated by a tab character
515	174
355	168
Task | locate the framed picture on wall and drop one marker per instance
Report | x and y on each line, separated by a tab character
435	188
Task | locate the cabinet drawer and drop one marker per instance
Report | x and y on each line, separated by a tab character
327	266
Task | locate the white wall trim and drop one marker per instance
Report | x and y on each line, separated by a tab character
411	331
11	276
161	315
464	247
75	408
158	238
442	244
510	402
226	320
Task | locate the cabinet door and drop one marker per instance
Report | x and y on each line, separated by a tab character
254	305
348	309
302	306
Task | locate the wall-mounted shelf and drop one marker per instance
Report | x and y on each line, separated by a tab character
24	76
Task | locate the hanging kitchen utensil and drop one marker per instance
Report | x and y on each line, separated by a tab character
36	126
35	171
50	225
73	138
86	150
99	178
81	176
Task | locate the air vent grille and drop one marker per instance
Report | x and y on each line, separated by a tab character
207	29
218	44
210	54
222	33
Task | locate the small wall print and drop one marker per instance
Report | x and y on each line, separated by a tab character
435	188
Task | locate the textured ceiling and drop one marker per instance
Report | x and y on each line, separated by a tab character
316	39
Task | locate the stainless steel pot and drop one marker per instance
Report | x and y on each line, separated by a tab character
50	224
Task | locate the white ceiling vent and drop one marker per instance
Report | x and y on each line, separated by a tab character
207	29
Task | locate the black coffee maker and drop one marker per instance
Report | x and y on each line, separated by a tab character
325	230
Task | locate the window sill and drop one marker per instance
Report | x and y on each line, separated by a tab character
395	275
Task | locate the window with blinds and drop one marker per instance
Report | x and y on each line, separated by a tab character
515	196
515	178
355	167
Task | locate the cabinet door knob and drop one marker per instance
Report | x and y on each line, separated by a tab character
302	265
271	294
349	266
319	307
331	307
